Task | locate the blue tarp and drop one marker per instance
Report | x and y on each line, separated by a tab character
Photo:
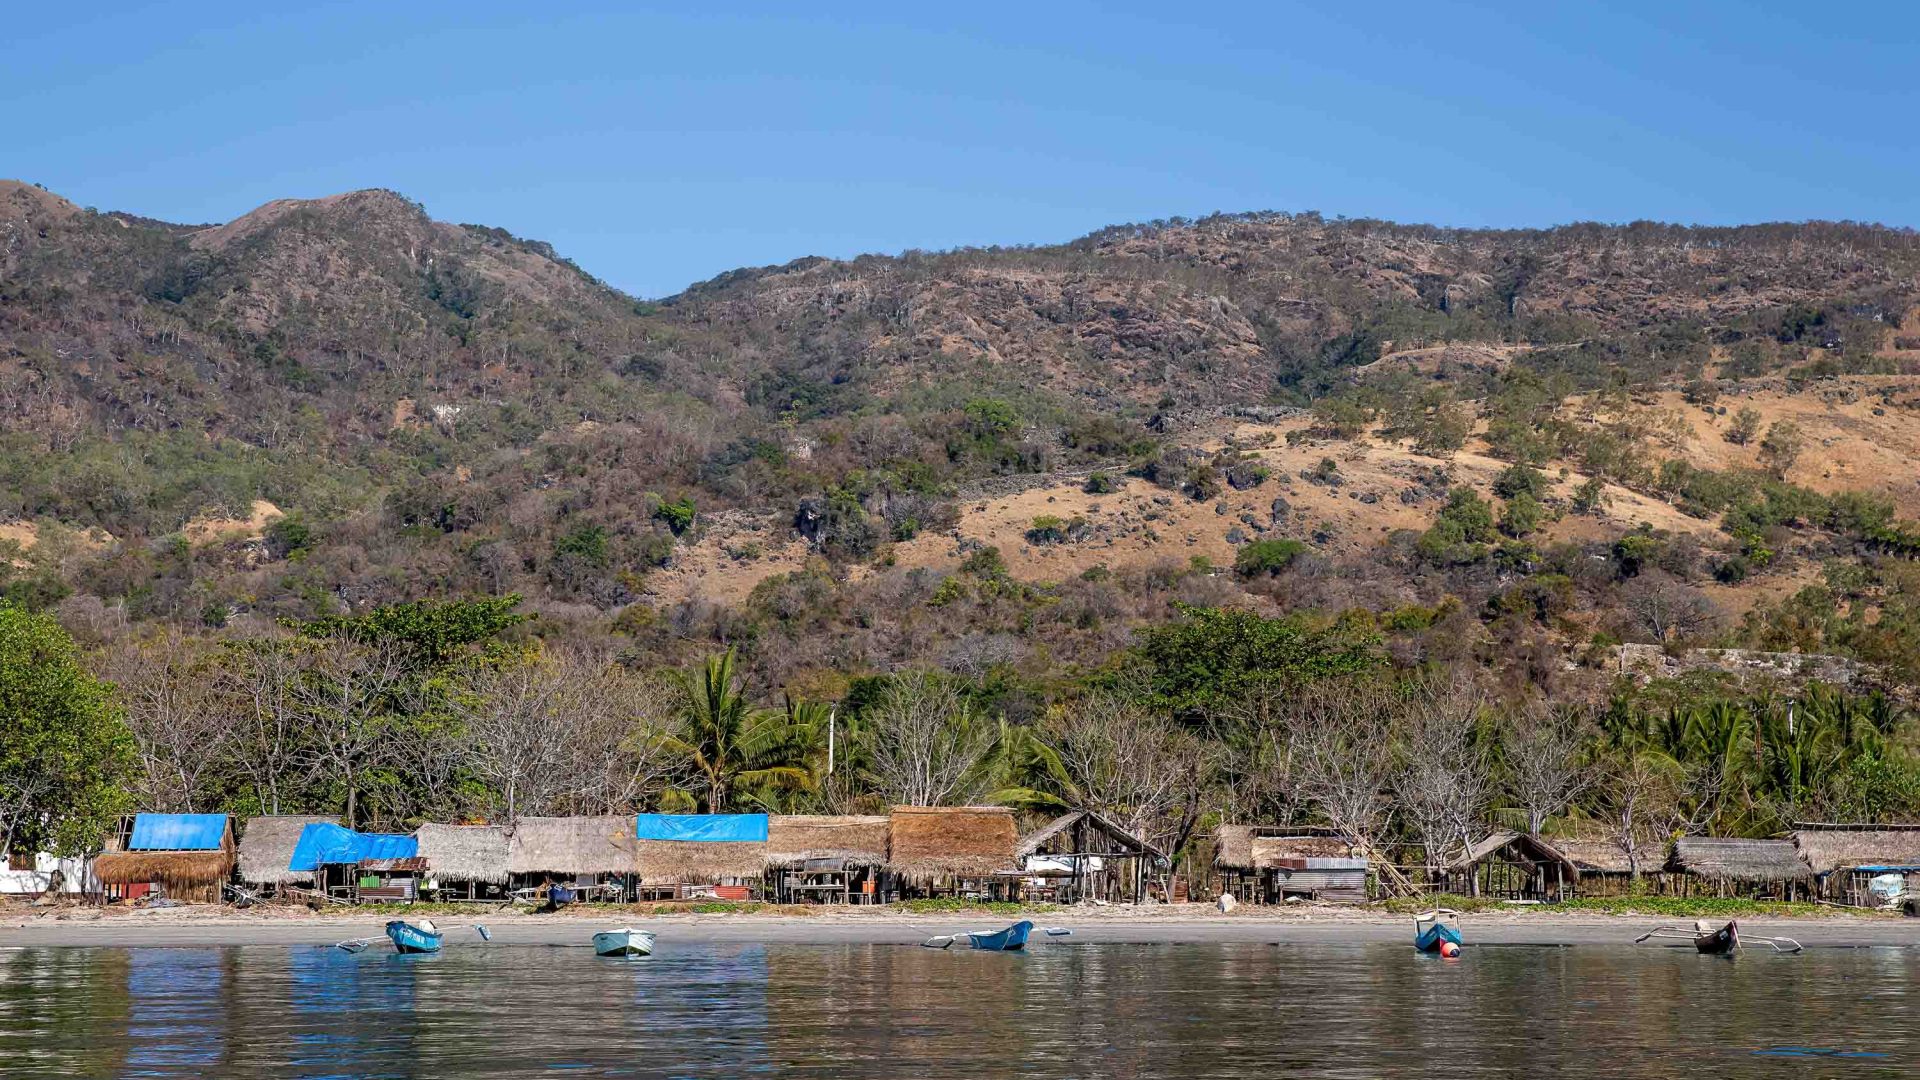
325	842
702	828
177	832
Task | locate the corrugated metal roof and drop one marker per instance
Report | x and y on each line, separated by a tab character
325	842
178	832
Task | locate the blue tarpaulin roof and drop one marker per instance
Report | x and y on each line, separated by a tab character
178	832
702	828
325	842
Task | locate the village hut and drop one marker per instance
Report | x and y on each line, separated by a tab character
1605	869
952	849
1086	855
719	855
1862	865
1758	869
1270	864
266	850
595	854
188	856
826	858
1514	866
464	862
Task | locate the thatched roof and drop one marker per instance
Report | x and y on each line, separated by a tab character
177	870
1738	860
962	841
267	847
465	852
572	845
699	861
1033	841
1521	846
1830	849
1256	847
793	839
1595	856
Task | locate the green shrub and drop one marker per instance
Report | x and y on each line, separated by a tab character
1266	558
1100	483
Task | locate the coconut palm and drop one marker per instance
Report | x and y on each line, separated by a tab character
729	744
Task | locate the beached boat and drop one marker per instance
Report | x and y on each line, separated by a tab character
1713	942
1012	939
421	937
1434	930
625	941
1724	941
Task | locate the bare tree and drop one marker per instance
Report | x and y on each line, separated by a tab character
925	741
1641	791
1444	778
258	679
1543	758
1122	759
181	723
1346	758
344	701
559	732
1665	606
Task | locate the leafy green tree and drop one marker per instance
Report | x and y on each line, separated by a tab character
1265	558
1744	426
1522	516
729	744
426	633
66	756
1213	656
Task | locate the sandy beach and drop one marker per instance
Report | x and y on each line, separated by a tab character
186	927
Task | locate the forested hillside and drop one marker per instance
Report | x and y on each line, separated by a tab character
1084	505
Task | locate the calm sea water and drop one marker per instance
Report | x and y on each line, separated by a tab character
858	1011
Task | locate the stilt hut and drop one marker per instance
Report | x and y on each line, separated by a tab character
1862	865
1605	869
1753	869
1513	866
185	856
718	855
464	862
964	851
594	856
266	851
1271	864
826	859
359	867
1084	855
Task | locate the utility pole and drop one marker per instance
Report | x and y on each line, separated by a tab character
833	712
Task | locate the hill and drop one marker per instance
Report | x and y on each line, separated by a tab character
815	448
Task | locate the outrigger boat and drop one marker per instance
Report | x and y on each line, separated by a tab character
1437	931
625	941
421	937
1723	941
1012	939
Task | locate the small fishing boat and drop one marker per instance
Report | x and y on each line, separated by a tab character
1012	939
1713	942
1722	941
625	941
1437	931
421	937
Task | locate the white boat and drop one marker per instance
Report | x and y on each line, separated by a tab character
625	941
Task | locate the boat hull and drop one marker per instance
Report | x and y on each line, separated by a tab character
1427	938
1012	939
408	938
1721	942
623	943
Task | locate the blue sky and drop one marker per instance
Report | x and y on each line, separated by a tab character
658	145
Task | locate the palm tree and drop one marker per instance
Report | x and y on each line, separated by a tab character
732	745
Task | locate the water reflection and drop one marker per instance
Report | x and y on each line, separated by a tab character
1064	1010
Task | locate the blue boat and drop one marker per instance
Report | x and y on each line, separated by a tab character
1433	928
1012	939
409	938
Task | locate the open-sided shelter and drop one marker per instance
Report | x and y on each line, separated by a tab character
953	849
464	862
266	850
826	858
716	854
1270	864
1086	855
593	853
1862	865
1759	869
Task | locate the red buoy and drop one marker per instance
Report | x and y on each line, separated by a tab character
1449	950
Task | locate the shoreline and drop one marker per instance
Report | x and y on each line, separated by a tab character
193	927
